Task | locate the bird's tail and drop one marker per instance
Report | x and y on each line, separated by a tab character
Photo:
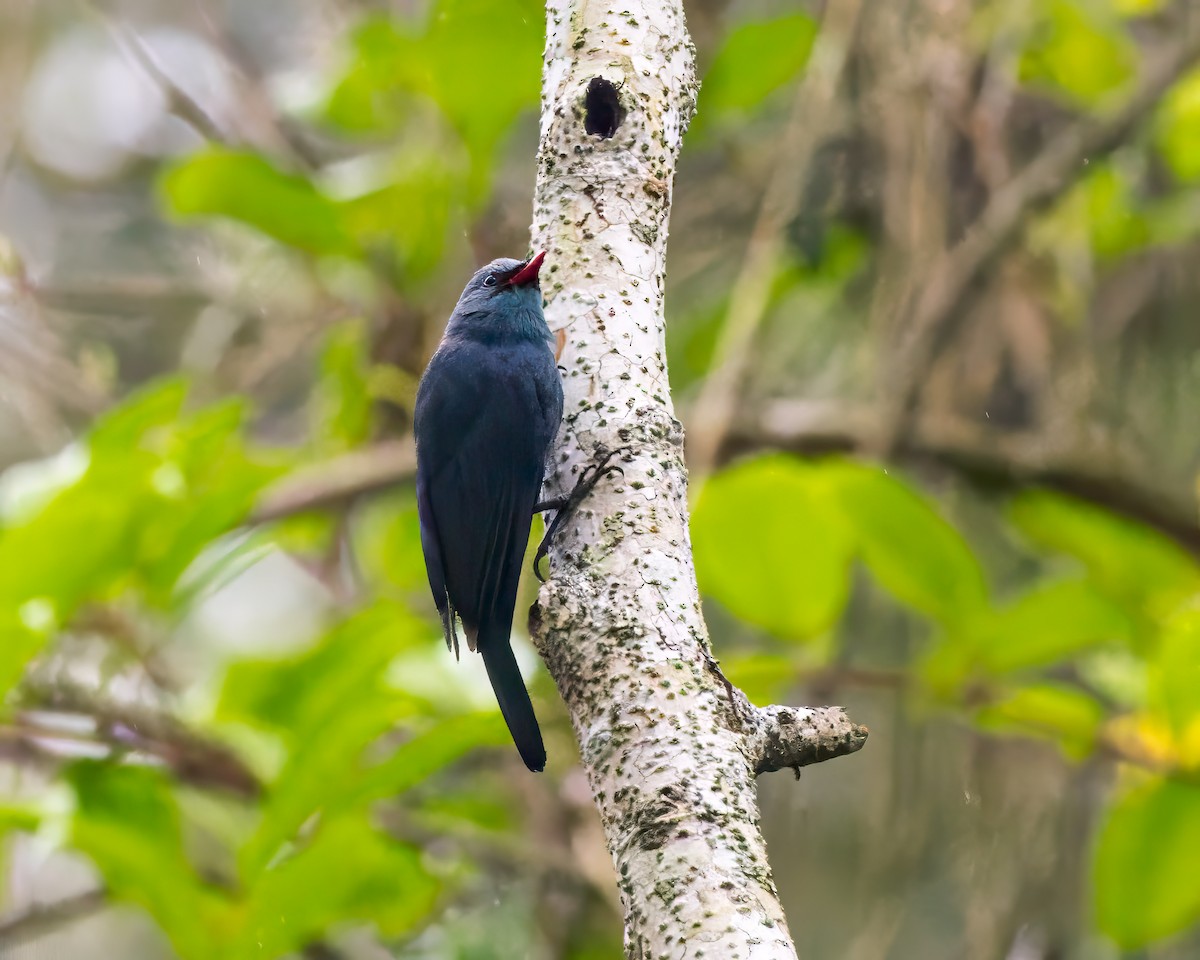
514	700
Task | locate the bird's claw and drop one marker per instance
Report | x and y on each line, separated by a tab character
565	506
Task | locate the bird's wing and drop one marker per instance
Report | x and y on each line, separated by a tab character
481	455
431	548
489	534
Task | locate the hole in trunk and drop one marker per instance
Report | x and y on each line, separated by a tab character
603	112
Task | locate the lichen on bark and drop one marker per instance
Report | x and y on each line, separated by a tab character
671	750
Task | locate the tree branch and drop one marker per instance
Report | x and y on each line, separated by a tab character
41	920
670	749
60	722
937	312
338	480
179	101
811	120
1005	463
986	459
788	738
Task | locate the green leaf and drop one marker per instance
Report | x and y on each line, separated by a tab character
348	872
1138	8
381	60
328	705
97	518
1117	675
1176	669
395	63
1049	624
205	484
319	776
411	214
1145	866
1118	227
1077	51
757	58
14	816
127	822
502	41
1063	715
763	677
406	76
771	545
1131	563
430	752
140	415
97	514
297	696
915	554
159	486
246	188
1177	128
387	541
461	806
949	665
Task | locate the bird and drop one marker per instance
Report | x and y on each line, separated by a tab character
488	408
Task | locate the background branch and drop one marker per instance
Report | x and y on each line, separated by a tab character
938	308
1005	463
44	919
59	722
812	119
339	480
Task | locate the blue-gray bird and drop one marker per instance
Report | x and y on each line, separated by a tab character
488	408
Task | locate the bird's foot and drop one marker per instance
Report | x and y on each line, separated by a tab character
565	506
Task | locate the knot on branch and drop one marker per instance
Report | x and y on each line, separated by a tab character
794	737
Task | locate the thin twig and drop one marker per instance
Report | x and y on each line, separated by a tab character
43	919
812	117
120	730
337	481
116	625
181	103
272	130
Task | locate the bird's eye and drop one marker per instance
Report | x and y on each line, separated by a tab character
489	280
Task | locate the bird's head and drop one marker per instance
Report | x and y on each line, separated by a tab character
502	298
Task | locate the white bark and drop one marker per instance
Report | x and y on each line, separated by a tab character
671	752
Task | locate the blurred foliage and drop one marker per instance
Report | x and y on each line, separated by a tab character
756	577
343	398
478	61
1078	50
328	247
1132	591
755	59
128	821
1144	862
246	187
1179	126
157	486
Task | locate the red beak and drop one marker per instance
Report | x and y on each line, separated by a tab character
528	272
